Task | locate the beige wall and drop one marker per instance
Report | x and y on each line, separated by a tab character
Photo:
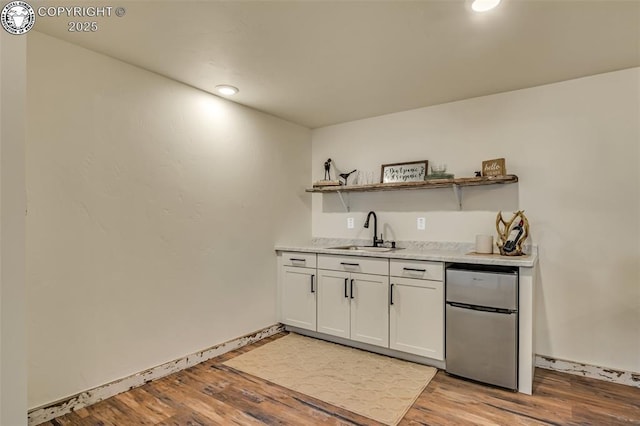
574	146
153	212
13	345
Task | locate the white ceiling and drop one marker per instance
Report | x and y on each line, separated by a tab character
318	63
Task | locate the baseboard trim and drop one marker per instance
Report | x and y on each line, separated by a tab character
50	411
593	371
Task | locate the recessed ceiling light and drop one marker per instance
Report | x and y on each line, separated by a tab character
484	5
227	90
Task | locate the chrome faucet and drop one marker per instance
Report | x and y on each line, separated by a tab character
376	242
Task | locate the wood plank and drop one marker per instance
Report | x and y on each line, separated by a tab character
108	414
433	183
212	393
188	399
186	419
147	405
71	419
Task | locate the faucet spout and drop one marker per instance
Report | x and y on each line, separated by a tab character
376	241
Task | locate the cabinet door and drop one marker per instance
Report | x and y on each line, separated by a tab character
416	317
299	297
333	303
370	309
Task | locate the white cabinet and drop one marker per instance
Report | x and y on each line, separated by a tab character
298	293
369	309
334	303
416	314
355	298
354	305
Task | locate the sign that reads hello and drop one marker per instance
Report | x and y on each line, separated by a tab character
495	167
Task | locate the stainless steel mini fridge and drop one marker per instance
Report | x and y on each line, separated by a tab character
482	324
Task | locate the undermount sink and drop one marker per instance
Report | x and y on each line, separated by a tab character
366	248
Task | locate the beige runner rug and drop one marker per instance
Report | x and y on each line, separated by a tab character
374	386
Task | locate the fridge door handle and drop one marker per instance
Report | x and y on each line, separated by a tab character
482	308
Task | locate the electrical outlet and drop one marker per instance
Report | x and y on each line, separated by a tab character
350	223
421	223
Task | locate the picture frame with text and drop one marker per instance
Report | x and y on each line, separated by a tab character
412	171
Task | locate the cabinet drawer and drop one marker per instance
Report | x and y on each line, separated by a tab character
420	269
303	260
364	265
412	282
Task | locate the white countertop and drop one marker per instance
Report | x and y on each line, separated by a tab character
441	252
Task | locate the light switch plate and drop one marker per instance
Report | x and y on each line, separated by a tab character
349	223
421	223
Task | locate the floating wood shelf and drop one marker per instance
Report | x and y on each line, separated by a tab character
431	183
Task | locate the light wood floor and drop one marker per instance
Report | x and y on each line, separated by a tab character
213	394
